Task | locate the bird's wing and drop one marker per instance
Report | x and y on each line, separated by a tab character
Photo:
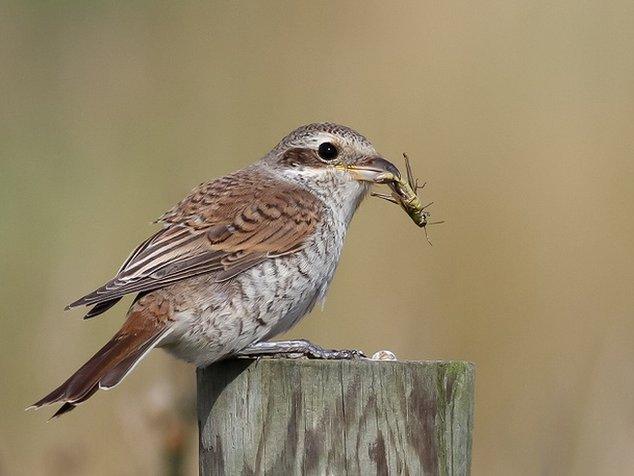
225	226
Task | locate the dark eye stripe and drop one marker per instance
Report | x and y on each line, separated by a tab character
301	156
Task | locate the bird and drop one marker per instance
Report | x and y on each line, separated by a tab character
238	261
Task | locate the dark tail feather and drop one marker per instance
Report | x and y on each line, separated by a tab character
104	370
66	407
114	376
101	308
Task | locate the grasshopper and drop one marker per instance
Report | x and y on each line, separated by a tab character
405	194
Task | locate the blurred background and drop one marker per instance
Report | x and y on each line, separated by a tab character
519	114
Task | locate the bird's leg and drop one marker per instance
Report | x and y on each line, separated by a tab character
293	349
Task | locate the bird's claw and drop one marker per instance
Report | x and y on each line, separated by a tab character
297	349
342	354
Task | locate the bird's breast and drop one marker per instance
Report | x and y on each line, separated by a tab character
265	300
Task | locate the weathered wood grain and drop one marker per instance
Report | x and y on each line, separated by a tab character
281	417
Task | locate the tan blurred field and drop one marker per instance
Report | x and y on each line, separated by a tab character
520	114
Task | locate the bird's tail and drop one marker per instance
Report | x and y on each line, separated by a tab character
110	365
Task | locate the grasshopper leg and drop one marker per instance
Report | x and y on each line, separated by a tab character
418	187
389	198
410	173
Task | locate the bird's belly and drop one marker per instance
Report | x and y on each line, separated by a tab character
256	305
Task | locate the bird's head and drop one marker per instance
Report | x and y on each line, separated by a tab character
329	153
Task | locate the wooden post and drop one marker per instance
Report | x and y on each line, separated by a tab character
322	417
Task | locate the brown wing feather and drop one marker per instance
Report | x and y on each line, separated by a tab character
225	226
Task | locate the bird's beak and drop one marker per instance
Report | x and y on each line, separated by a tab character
372	169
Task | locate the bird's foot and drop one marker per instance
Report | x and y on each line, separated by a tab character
295	349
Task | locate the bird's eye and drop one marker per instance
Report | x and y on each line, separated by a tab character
327	151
